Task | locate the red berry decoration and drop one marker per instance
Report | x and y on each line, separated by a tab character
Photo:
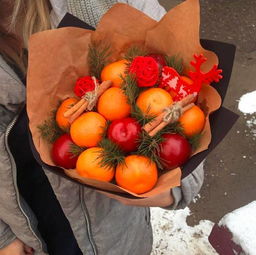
125	133
61	152
83	85
146	71
174	150
160	60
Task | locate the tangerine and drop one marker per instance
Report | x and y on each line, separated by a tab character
186	80
192	121
62	121
153	101
113	104
88	166
114	72
137	174
87	130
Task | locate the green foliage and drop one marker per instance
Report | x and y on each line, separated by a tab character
76	150
135	51
195	141
149	147
175	62
98	58
130	88
49	129
142	118
132	91
111	155
175	128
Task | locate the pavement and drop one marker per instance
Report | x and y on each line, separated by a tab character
230	170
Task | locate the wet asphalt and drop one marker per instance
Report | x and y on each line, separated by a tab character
230	170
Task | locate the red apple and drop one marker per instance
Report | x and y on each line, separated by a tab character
61	152
125	133
160	60
174	150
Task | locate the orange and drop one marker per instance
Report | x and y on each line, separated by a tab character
153	101
63	122
113	105
87	130
192	121
186	79
137	174
114	71
88	166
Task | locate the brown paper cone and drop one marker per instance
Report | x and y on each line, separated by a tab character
58	57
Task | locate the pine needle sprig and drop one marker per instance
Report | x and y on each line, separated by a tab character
98	56
195	141
149	147
132	91
130	88
111	155
76	150
135	51
142	118
175	62
49	129
105	129
175	128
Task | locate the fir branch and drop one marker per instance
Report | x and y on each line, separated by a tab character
76	150
135	51
111	155
98	58
195	141
105	129
149	147
175	128
49	129
132	91
175	62
142	118
130	88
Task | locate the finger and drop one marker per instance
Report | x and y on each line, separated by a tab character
28	250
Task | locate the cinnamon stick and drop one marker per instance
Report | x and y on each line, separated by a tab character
164	123
81	106
103	87
78	112
74	108
154	123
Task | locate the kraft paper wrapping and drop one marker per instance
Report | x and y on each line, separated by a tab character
58	57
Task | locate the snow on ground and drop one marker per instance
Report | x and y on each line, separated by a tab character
241	223
172	235
247	105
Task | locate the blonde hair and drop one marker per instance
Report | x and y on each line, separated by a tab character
32	15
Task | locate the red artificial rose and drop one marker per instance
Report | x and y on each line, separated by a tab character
146	71
83	85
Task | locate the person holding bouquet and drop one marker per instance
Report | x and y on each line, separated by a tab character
40	212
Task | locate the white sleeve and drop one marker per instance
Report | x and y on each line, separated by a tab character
150	7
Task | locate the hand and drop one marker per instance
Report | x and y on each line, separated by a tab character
17	247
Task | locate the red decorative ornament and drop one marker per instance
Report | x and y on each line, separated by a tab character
146	71
172	81
83	85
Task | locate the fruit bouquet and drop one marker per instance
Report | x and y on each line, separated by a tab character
122	108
